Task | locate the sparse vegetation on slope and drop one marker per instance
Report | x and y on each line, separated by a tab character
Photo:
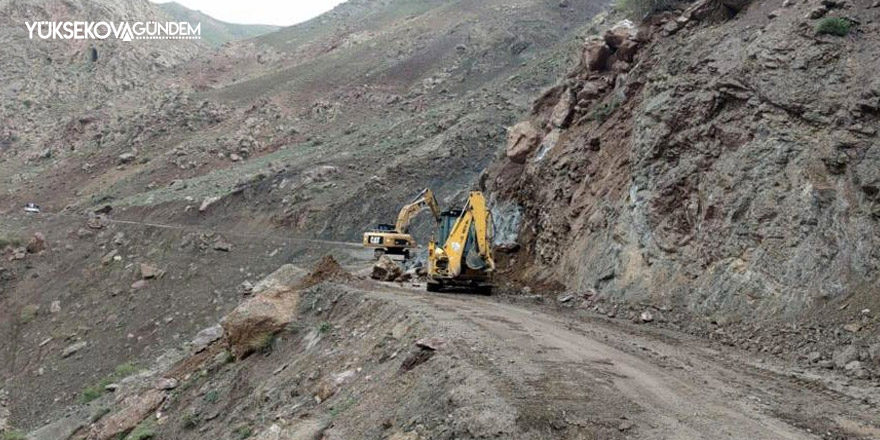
838	26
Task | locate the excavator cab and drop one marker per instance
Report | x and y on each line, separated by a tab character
395	239
460	253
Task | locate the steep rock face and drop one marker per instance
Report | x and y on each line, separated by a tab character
732	168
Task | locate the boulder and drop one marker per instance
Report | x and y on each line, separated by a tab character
97	222
206	337
135	410
126	158
222	245
109	257
595	56
166	383
845	355
286	275
18	254
148	271
386	269
564	110
73	349
208	202
264	314
627	51
522	139
36	244
591	90
614	38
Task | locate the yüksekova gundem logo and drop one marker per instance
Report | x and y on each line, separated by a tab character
104	30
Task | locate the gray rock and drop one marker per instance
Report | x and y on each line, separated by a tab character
563	111
853	327
166	384
126	158
208	202
851	366
646	316
206	337
246	288
522	139
73	349
148	271
874	352
220	244
844	356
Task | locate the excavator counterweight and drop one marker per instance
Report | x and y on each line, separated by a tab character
396	239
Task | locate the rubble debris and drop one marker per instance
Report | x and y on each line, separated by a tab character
386	269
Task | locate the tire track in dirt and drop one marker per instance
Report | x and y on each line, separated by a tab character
568	379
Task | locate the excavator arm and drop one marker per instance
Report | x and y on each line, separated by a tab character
475	223
425	199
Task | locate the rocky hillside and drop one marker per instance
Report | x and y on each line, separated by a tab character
720	161
214	31
346	113
229	155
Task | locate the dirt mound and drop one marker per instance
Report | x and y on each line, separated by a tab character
328	269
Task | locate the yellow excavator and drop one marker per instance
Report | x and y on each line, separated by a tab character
395	239
460	253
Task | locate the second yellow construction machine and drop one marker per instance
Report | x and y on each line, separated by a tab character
395	239
460	253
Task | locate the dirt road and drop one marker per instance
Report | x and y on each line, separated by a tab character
635	381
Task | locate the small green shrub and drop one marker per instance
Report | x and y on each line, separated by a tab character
145	431
13	434
91	393
637	10
7	239
242	432
28	313
125	370
211	396
325	327
834	26
190	421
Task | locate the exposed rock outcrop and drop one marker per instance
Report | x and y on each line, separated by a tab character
134	410
724	174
